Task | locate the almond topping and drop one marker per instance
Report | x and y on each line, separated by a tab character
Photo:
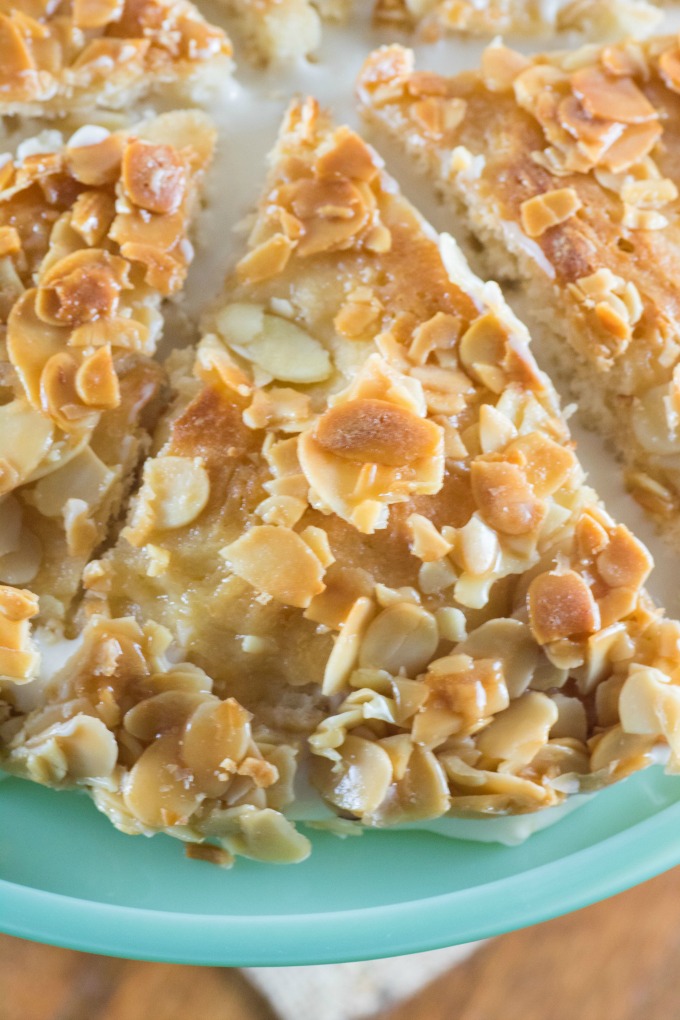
548	464
96	381
154	176
544	211
177	488
82	287
360	781
376	432
349	156
401	639
269	259
616	99
438	117
500	67
10	242
561	606
483	347
669	68
635	143
505	499
277	562
58	394
624	563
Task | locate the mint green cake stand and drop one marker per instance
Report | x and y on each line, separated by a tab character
68	878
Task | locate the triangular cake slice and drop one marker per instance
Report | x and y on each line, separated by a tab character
94	234
565	167
596	18
366	523
81	54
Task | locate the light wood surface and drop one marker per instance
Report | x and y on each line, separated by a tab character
618	960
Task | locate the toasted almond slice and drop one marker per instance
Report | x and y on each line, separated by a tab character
548	210
154	176
561	605
26	436
361	780
617	99
375	431
505	499
278	562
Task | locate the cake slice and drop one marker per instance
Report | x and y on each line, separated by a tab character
77	55
94	235
564	167
596	18
365	521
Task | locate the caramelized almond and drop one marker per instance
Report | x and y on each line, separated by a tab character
154	176
505	499
376	432
561	606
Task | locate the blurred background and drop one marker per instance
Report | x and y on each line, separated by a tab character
617	960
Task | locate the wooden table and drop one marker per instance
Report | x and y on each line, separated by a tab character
618	960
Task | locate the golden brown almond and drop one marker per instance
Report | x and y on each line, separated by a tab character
348	156
376	432
82	287
548	464
17	604
154	176
16	57
269	259
96	165
96	380
617	99
505	498
277	562
624	562
92	215
541	212
500	67
10	242
636	142
438	117
561	605
669	68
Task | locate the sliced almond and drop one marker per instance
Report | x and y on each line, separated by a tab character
561	605
376	431
277	562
